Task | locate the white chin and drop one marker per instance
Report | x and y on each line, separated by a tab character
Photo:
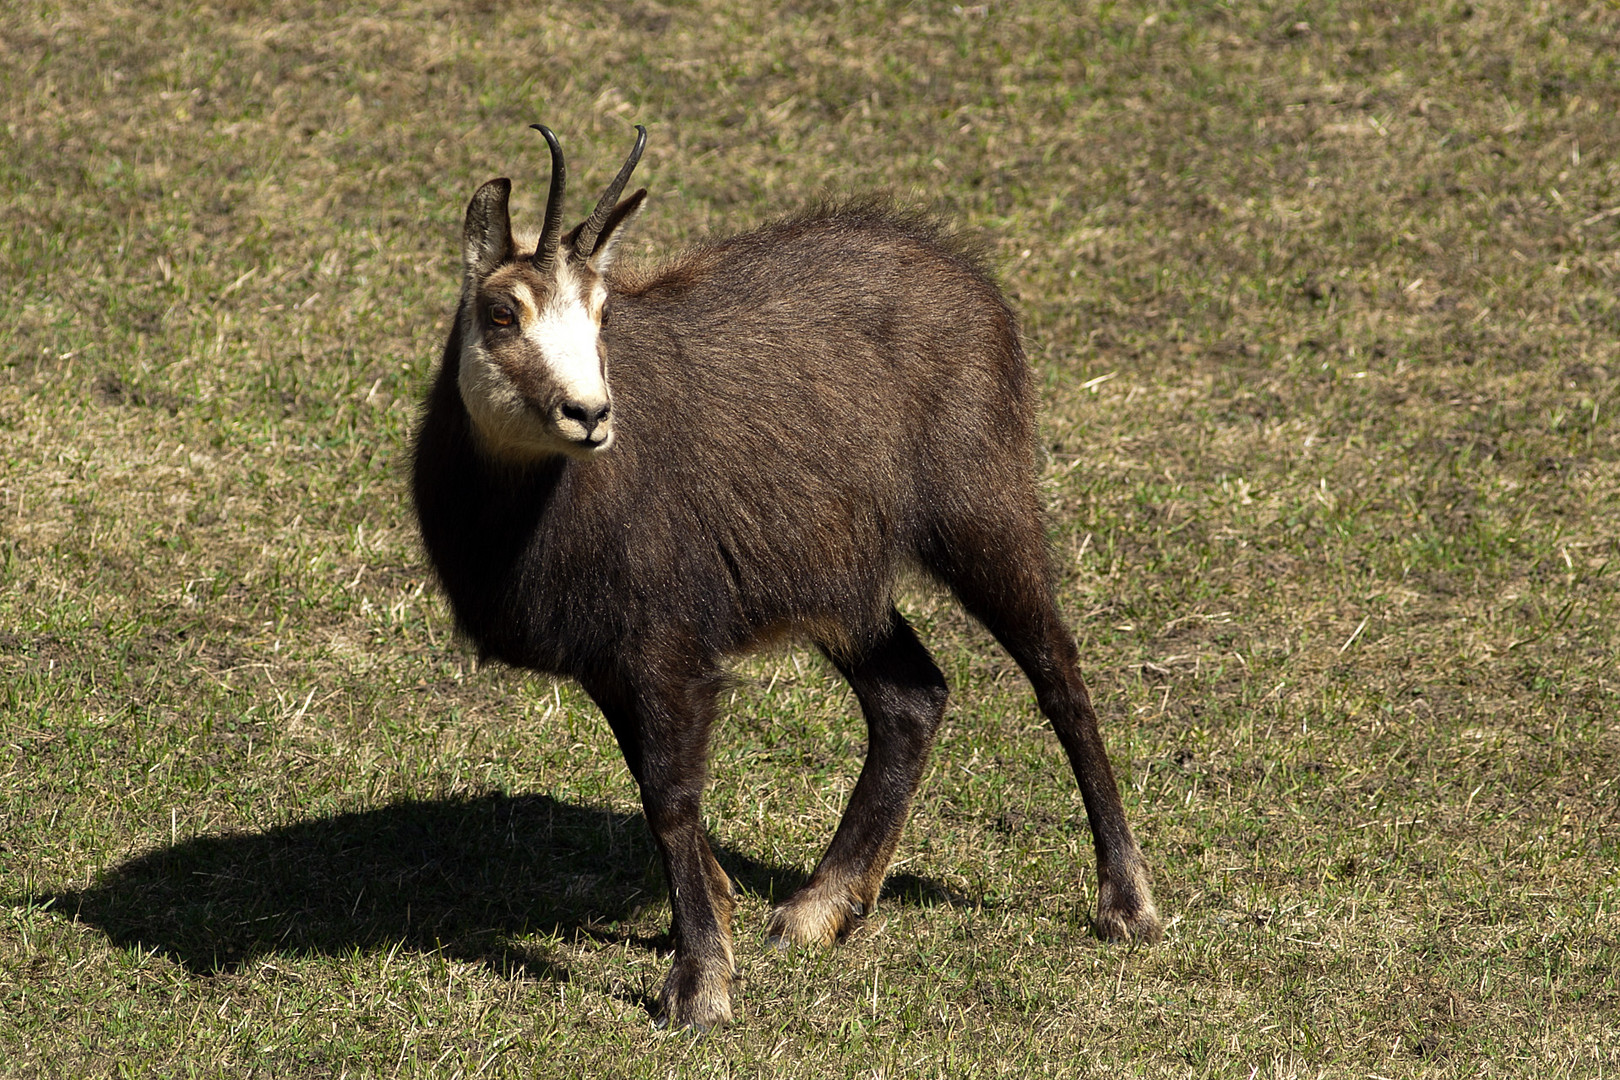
585	450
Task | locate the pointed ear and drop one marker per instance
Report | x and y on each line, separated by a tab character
486	238
619	215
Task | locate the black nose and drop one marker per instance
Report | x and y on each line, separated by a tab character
585	417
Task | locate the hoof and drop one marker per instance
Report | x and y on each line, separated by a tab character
813	917
694	999
1127	913
1143	927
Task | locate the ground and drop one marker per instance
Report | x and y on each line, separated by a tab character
1323	301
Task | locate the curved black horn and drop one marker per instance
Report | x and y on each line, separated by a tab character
585	241
551	235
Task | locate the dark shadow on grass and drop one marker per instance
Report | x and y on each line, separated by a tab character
459	875
916	891
469	877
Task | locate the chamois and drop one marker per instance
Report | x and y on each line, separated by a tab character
626	476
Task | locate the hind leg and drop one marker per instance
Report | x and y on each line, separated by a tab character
1004	583
902	694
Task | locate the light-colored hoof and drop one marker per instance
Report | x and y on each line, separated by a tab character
1121	917
1144	927
695	1000
813	919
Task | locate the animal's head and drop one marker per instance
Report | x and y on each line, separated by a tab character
531	370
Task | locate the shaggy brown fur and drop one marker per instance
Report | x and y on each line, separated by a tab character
801	413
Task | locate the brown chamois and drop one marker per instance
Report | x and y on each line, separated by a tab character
627	476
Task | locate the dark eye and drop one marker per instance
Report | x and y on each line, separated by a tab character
501	315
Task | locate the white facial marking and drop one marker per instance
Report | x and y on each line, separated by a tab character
565	334
557	344
496	407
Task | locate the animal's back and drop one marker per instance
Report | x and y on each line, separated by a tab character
806	409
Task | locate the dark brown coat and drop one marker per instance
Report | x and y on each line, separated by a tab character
801	413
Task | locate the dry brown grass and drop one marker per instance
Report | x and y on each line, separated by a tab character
1325	301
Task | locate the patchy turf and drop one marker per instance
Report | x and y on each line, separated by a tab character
1325	301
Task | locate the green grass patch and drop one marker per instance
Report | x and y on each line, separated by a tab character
1324	298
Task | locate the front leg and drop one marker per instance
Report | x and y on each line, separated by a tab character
663	730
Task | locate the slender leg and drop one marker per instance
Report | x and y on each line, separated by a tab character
1007	590
664	733
902	694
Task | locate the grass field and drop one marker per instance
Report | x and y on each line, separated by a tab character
1324	300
